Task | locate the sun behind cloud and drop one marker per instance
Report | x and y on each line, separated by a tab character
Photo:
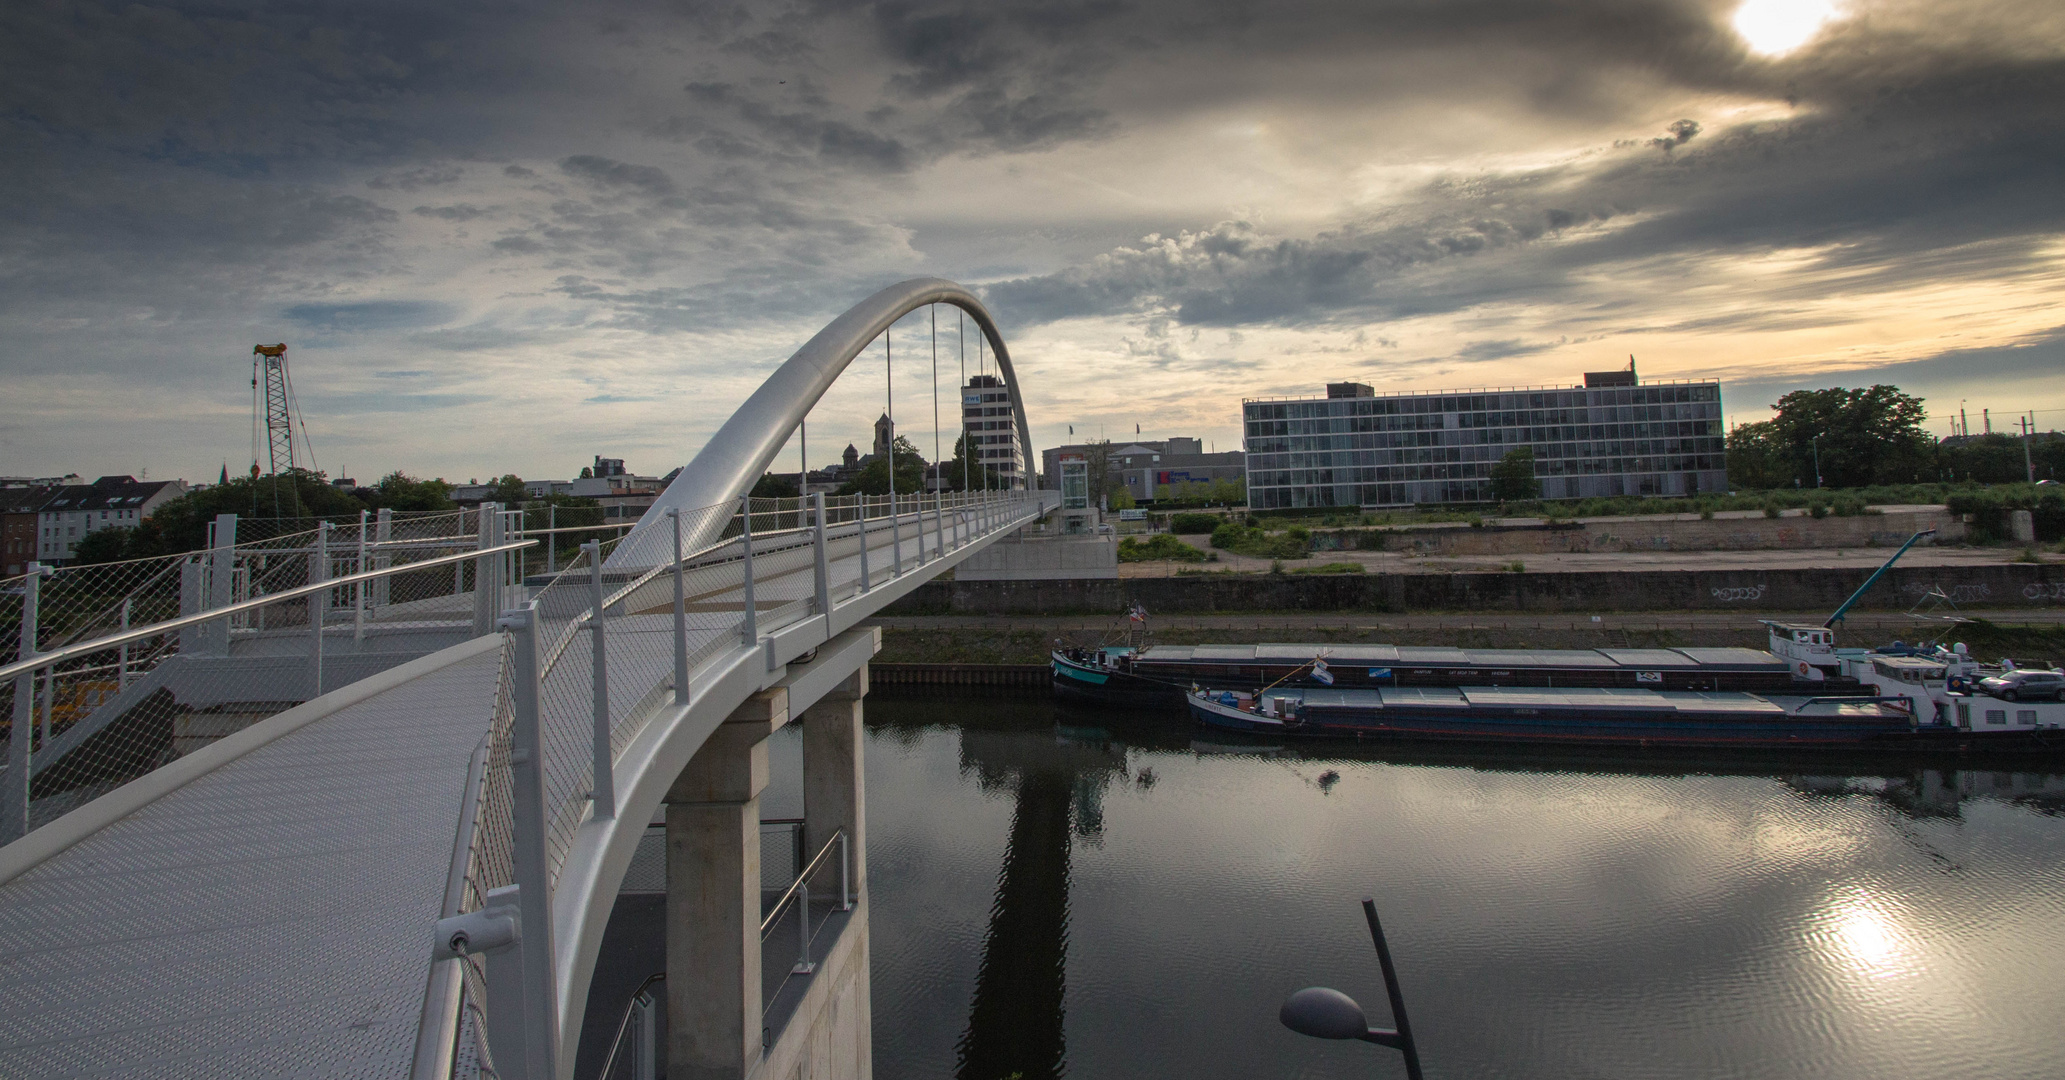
1777	27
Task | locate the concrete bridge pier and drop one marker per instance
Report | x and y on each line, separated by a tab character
713	897
715	1024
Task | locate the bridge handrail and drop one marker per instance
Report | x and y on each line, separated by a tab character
42	660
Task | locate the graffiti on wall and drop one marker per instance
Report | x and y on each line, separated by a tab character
1739	594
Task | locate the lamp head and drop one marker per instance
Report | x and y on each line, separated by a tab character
1324	1014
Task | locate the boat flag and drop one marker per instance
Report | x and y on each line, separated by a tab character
1137	613
1320	672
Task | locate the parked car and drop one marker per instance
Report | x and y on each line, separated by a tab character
2032	684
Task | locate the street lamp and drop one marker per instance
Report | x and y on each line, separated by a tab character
1330	1014
1816	440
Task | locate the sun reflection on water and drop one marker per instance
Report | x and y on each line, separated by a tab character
1863	934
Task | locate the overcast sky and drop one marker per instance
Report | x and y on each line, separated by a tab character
507	238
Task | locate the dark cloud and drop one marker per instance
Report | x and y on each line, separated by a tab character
454	212
365	315
604	173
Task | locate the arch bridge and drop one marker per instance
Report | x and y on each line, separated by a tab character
410	872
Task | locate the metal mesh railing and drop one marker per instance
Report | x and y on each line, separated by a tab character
112	683
865	543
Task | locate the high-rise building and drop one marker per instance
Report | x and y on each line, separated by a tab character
988	421
1614	435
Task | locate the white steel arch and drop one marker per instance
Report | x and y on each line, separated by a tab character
739	453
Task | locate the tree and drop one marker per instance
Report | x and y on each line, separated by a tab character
587	472
1868	436
105	546
874	478
775	486
1989	459
963	474
1757	459
400	491
182	523
1513	477
508	491
1097	455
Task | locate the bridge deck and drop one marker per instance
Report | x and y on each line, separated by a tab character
270	918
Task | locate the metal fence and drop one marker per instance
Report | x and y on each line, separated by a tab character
604	648
118	668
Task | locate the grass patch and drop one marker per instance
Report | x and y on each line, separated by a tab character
1330	568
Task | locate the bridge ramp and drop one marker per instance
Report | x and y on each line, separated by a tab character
269	918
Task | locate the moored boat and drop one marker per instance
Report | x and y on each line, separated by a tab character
1558	715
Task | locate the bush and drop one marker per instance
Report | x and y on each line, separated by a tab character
1848	506
1818	510
1194	524
1773	508
1162	546
1260	544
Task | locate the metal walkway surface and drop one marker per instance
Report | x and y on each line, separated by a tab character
268	918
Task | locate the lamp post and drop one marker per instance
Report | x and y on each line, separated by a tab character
1816	441
1324	1013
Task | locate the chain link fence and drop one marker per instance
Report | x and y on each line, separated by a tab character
867	539
95	718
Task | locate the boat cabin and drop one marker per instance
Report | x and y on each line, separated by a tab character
1912	670
1808	649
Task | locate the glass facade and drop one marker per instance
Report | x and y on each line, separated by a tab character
1403	449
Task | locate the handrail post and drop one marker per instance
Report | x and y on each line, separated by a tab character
605	793
821	569
552	538
751	628
318	606
865	583
14	817
485	596
803	964
383	531
540	1014
358	591
895	523
122	659
680	615
845	874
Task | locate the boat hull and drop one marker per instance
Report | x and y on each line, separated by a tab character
1091	684
1665	720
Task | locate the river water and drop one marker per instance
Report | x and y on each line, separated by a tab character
1061	893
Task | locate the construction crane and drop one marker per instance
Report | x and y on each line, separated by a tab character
269	364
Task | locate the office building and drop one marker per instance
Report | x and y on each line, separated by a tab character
992	433
1151	469
1613	435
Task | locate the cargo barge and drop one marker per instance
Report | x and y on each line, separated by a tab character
1158	676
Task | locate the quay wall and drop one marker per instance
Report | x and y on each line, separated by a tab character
1677	533
2012	585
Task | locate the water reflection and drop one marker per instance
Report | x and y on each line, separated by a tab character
1016	1017
1064	893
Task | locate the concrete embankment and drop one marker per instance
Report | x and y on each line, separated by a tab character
2009	585
1727	531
